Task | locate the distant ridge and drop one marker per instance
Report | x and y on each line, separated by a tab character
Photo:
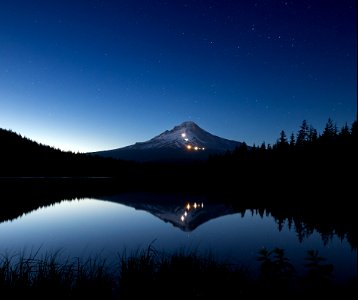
184	141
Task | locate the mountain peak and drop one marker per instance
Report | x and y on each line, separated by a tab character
186	140
186	127
188	124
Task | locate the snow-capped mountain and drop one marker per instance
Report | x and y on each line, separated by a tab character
185	141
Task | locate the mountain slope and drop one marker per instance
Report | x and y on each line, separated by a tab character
185	141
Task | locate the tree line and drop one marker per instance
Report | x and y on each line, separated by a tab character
293	164
309	177
20	156
307	139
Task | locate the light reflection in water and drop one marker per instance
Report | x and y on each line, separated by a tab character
189	207
92	226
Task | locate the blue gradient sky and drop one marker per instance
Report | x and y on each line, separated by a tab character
95	75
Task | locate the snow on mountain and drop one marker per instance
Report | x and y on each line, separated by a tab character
184	135
186	140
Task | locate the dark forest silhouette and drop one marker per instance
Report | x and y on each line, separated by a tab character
307	177
314	159
306	180
306	167
20	156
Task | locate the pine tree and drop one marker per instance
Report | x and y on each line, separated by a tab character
292	140
303	134
282	143
283	138
330	130
344	133
312	135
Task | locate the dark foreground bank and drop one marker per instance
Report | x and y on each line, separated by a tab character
154	275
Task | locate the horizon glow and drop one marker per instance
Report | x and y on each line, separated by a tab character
97	75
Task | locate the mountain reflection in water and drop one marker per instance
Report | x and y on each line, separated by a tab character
185	215
110	224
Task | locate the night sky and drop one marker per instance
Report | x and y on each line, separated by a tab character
96	75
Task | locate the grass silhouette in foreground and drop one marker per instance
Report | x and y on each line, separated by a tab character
149	273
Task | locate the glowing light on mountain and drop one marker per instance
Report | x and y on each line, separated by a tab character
189	147
196	148
183	135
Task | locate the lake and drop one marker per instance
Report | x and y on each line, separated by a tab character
110	226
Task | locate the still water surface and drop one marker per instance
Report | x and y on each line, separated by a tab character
108	227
